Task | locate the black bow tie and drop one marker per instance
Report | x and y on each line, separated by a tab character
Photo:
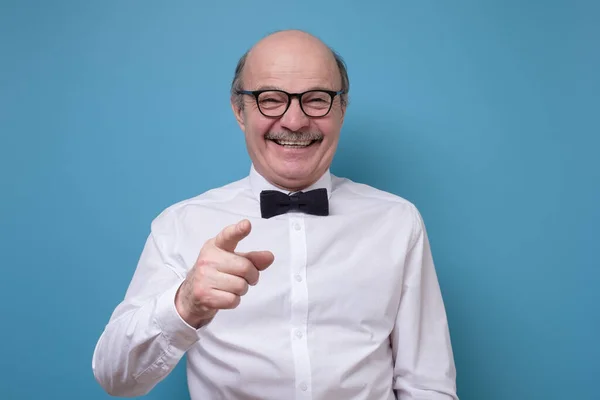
273	202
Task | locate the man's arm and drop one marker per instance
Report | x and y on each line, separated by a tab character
160	318
423	359
145	337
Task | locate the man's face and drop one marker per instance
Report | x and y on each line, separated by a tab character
294	63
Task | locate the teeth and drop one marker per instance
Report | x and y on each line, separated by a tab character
298	144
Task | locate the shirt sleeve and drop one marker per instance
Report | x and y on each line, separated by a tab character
423	360
145	337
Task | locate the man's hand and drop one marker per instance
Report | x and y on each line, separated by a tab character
220	276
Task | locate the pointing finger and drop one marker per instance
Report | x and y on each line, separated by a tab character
229	237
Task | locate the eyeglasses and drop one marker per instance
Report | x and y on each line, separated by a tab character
274	103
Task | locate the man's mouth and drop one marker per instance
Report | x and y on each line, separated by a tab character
295	144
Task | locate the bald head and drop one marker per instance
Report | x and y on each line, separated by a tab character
295	53
289	48
290	38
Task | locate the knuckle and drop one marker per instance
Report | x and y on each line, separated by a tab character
246	266
212	302
200	293
202	263
200	276
242	288
251	278
250	272
233	301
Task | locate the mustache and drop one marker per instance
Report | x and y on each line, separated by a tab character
288	135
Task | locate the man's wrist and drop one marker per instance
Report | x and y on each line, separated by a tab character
194	320
175	329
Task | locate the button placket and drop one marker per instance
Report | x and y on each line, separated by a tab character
299	305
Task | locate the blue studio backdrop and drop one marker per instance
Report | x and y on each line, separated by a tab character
484	114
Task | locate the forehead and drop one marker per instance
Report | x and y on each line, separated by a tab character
294	65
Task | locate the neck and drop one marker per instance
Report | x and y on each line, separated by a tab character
261	182
293	188
289	186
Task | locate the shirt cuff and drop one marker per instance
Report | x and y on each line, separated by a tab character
178	333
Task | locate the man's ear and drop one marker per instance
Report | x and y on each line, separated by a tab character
238	112
343	111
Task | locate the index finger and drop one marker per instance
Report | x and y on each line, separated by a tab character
231	235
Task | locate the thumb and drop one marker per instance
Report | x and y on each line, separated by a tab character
260	259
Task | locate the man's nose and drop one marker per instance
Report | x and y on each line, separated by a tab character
294	118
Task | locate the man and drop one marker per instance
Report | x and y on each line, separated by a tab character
291	283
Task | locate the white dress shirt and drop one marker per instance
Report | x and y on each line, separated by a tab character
350	308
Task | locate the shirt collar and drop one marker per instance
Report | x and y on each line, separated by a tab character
258	183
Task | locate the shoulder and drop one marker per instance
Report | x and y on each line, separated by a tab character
353	197
208	199
355	191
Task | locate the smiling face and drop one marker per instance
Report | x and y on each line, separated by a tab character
291	151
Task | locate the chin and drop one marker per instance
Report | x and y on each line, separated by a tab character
294	171
297	176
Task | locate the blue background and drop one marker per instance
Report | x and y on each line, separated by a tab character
482	113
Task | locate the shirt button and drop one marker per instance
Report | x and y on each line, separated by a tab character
299	334
298	278
297	226
303	387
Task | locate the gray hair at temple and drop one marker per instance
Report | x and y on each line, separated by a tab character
237	83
